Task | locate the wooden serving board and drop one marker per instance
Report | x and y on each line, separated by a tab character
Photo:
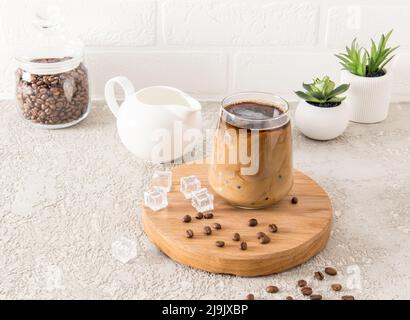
303	229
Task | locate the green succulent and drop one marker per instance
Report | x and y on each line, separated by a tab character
323	92
361	62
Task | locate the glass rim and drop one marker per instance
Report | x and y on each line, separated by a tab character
284	107
43	68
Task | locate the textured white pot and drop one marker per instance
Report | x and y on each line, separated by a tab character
368	99
321	123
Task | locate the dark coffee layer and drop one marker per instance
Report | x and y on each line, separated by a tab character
250	110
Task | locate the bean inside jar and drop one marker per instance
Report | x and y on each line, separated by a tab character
53	99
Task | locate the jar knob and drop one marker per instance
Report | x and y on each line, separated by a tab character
47	17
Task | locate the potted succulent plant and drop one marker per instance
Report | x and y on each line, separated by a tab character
322	114
370	83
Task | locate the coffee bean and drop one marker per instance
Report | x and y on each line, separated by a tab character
219	244
272	289
250	296
43	92
264	240
331	271
186	218
260	235
273	228
199	215
319	276
348	297
252	222
216	226
243	246
208	215
302	283
294	200
207	231
306	291
315	297
189	233
236	237
336	287
289	298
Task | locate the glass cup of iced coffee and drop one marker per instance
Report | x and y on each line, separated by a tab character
251	163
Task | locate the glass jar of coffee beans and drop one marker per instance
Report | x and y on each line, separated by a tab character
52	87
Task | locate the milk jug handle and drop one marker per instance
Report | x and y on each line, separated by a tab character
126	86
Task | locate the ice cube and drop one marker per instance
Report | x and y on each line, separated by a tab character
155	199
202	200
124	249
162	180
188	185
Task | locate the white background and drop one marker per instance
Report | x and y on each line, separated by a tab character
211	48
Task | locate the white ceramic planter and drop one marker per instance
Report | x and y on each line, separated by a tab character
321	123
368	99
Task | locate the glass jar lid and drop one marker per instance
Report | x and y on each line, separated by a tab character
48	48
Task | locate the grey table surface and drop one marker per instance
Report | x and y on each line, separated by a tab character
68	197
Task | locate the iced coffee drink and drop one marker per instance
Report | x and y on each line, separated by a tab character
251	164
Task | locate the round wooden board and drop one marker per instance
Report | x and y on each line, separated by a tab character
304	229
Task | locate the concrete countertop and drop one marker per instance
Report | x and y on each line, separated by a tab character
68	195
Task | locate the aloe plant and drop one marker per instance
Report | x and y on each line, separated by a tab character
365	63
323	92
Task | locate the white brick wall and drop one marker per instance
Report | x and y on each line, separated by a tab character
211	48
248	23
280	72
200	72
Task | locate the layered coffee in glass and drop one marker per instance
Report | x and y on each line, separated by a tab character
251	164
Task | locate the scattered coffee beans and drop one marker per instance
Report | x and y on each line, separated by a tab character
189	233
306	291
220	244
217	226
302	283
264	240
331	271
272	289
236	237
260	235
207	231
294	200
319	276
250	296
186	218
273	228
53	98
243	246
336	287
208	215
252	222
199	215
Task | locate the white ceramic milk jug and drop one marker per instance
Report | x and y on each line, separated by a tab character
157	124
